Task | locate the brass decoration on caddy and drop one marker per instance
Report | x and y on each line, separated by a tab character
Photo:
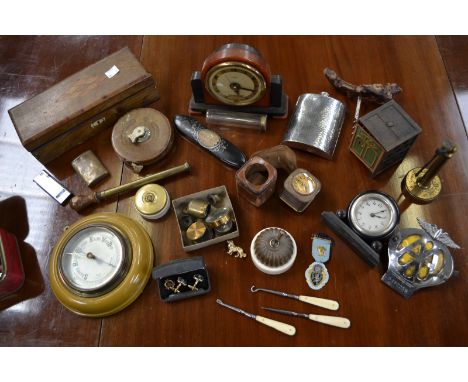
423	185
101	264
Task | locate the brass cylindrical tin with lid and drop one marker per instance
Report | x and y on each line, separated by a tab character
152	201
198	208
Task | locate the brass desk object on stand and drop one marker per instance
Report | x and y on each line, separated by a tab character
423	185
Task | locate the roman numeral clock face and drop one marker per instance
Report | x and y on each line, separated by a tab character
373	215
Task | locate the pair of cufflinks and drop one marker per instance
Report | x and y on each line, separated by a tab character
169	284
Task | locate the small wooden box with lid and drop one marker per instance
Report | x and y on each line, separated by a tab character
80	106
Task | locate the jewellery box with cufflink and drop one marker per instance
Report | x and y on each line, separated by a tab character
182	278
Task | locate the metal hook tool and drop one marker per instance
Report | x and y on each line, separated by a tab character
339	322
321	302
277	325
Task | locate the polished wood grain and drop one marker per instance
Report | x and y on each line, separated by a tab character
454	51
378	315
28	66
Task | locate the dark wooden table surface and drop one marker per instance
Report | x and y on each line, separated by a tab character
433	74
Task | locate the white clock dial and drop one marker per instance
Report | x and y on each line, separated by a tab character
93	259
373	214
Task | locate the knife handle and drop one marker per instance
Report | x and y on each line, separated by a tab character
322	302
339	322
211	141
277	325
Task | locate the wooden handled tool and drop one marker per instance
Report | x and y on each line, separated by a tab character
339	322
277	325
81	202
321	302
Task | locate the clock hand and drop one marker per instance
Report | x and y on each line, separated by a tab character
75	253
104	261
91	256
237	87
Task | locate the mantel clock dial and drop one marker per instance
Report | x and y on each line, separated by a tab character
101	264
235	83
373	215
237	77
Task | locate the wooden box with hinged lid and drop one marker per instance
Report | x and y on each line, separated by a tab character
80	106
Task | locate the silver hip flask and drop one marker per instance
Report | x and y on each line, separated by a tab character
316	124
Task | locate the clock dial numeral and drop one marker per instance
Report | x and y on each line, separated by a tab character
373	214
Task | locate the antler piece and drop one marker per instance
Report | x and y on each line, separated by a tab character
379	93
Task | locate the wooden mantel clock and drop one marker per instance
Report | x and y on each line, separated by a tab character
237	77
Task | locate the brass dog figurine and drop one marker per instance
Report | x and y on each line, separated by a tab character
232	248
